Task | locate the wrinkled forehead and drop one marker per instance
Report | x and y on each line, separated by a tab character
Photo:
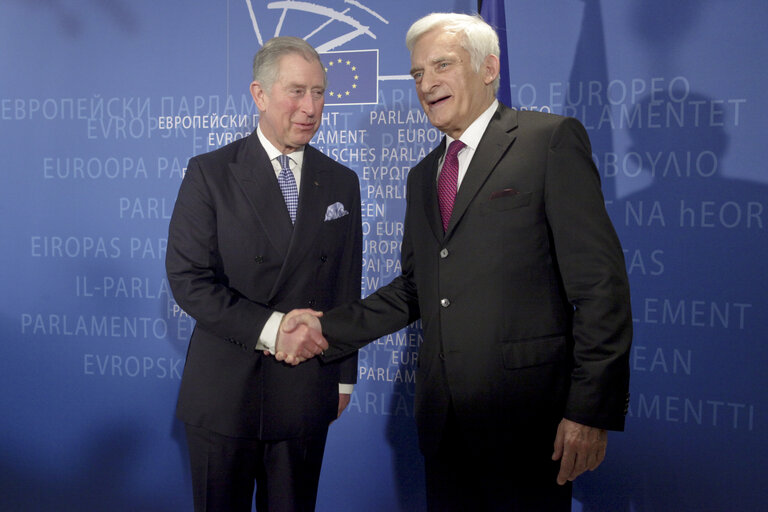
437	44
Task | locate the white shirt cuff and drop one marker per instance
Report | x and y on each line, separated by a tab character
268	336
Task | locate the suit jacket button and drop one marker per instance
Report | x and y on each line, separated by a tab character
323	258
311	302
445	303
444	253
259	259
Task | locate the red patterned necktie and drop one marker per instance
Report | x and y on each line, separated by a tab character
448	180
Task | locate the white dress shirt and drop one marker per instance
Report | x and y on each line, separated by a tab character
471	139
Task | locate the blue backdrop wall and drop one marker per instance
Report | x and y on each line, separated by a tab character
102	104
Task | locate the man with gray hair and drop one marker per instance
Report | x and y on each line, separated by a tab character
510	260
261	226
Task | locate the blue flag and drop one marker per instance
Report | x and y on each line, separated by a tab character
492	12
353	77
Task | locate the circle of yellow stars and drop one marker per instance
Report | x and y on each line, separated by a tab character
342	62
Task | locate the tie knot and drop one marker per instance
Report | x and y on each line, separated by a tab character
454	148
285	162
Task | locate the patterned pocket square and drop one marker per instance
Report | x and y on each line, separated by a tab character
335	211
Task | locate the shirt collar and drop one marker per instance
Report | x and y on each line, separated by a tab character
472	135
272	152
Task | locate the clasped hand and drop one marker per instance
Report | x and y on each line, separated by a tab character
300	337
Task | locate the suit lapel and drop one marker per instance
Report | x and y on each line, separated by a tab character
495	142
313	199
256	176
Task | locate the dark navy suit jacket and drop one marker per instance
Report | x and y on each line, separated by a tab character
233	258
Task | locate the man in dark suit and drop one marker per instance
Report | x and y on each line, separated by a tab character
254	234
520	284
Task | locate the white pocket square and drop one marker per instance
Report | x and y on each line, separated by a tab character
335	211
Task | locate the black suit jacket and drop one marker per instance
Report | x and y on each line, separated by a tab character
524	300
233	258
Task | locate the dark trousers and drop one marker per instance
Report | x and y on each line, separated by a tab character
461	477
225	470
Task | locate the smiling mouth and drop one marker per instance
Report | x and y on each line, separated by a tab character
438	101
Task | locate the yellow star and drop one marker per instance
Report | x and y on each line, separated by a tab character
356	77
354	86
339	61
338	95
354	68
348	63
346	93
330	93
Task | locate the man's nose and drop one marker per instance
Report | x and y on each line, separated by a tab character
427	82
308	104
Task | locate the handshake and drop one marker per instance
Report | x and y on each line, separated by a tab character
300	337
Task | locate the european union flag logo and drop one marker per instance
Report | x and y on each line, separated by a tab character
353	77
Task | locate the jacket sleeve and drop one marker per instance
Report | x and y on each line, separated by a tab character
591	263
195	270
350	327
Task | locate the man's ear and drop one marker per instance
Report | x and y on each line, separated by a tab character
259	95
490	69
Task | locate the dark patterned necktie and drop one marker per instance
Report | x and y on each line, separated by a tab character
448	180
288	186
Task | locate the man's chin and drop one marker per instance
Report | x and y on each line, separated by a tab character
437	123
302	139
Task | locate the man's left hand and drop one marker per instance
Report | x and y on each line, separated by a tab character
579	448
